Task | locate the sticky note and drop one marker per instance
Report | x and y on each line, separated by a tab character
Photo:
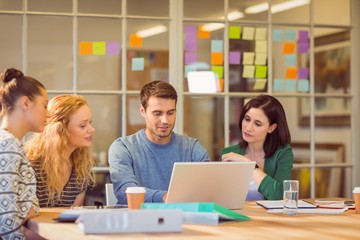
202	33
303	36
248	33
220	84
113	48
216	46
248	71
278	84
189	68
290	35
190	57
248	58
218	70
260	84
260	58
260	71
190	44
278	35
190	31
216	58
289	47
303	47
137	64
291	73
135	41
234	32
290	85
261	46
260	33
99	48
290	60
234	57
303	85
303	73
86	48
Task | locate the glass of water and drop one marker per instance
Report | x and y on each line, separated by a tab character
291	193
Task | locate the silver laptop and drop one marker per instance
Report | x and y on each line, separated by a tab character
225	183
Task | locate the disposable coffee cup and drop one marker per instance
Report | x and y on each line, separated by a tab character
135	197
356	194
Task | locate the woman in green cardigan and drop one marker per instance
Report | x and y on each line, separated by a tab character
265	138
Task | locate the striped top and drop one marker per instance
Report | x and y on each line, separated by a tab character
17	187
69	194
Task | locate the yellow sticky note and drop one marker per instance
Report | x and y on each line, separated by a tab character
260	58
260	33
248	71
135	41
202	33
218	70
289	47
261	46
248	33
261	71
234	32
99	48
216	58
248	58
291	73
86	48
260	84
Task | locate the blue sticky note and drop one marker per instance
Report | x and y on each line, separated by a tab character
290	59
278	35
278	84
303	85
290	85
290	35
137	64
216	46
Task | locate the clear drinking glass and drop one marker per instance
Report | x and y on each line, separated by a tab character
291	193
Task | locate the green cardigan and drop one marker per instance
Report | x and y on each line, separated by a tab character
277	167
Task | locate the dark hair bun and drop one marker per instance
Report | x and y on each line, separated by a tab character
10	74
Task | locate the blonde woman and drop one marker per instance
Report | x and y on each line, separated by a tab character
61	155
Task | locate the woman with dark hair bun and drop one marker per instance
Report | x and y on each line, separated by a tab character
264	139
23	108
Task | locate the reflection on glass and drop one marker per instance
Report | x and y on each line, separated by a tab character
12	5
11	44
204	120
50	6
134	119
99	7
148	53
284	11
157	8
332	111
245	8
326	10
100	68
210	9
50	59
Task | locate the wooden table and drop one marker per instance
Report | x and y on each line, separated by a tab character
262	226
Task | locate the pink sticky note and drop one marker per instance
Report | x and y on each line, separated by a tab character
234	57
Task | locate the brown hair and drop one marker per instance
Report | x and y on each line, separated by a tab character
157	89
275	114
14	86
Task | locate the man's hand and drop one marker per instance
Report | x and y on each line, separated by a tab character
164	197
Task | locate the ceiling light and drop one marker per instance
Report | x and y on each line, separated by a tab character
262	7
151	31
209	27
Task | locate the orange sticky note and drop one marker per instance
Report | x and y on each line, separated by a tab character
135	41
202	33
221	85
289	47
216	58
86	48
291	73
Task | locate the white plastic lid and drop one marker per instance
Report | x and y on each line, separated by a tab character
356	190
135	190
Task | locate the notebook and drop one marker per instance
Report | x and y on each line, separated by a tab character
225	183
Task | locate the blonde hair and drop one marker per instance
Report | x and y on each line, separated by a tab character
50	147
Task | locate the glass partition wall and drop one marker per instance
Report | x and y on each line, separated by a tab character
217	53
